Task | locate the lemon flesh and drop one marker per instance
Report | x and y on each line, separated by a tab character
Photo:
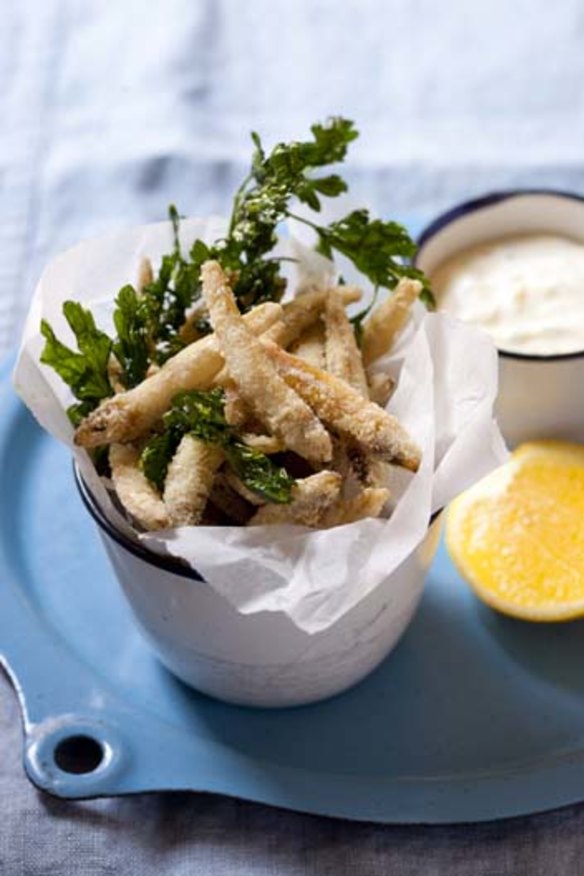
517	536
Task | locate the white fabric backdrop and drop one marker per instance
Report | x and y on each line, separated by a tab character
109	110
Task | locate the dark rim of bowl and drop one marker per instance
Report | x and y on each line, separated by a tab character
169	564
488	200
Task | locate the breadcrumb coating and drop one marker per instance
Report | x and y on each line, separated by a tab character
189	480
310	499
134	490
346	412
275	403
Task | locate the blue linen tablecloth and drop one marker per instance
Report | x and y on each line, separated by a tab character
110	111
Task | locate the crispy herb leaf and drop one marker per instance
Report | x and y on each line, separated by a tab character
426	295
371	244
165	301
376	248
201	414
85	372
331	186
70	366
331	140
156	456
93	344
148	323
131	345
259	473
263	200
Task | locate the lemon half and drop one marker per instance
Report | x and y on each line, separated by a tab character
517	536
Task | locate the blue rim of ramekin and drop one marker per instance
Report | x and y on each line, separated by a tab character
488	200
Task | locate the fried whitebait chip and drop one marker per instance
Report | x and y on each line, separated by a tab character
368	503
274	403
343	357
134	490
236	410
349	292
189	480
131	414
381	387
310	499
347	413
114	373
299	318
386	321
267	444
300	313
310	345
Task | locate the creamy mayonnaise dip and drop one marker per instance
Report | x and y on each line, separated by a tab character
527	291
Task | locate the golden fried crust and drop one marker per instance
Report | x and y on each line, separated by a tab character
114	373
189	481
236	410
274	403
381	387
310	345
131	414
267	444
349	292
386	321
310	499
345	411
343	358
300	313
368	503
239	415
135	492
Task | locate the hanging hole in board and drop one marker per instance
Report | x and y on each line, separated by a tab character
78	754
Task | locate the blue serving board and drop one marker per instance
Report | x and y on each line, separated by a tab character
473	717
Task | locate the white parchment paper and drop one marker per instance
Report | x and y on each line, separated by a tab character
447	383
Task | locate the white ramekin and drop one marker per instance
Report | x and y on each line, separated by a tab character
258	659
539	396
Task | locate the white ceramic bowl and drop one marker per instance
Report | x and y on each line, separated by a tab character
539	396
259	659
